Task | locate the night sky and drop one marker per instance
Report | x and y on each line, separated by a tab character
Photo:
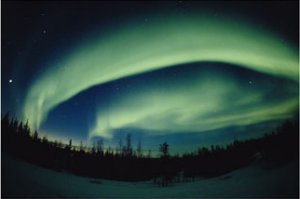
189	73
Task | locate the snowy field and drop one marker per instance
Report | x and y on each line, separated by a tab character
21	179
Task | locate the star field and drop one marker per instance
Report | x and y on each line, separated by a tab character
198	72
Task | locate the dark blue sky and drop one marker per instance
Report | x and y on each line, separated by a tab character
49	70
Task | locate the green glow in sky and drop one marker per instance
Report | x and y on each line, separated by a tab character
161	42
209	102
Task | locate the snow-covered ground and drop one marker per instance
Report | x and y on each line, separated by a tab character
21	179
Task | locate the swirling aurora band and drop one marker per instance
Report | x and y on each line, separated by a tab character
133	49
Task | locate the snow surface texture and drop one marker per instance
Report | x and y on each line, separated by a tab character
21	179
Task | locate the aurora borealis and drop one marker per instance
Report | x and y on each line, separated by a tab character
183	74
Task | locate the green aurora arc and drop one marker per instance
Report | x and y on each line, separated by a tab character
135	48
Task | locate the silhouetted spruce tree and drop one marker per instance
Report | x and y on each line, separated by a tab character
128	146
165	167
120	147
100	147
70	143
35	135
139	149
26	129
164	149
45	140
14	125
81	146
20	128
94	147
149	154
5	122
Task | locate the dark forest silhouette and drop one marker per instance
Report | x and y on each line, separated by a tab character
127	164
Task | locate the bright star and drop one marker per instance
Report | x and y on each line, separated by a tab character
10	81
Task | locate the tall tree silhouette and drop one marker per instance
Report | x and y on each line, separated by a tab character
100	147
164	149
165	167
128	145
139	148
35	135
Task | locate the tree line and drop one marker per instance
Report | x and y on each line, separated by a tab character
127	164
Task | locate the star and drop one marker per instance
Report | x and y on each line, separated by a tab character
10	81
44	31
250	82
